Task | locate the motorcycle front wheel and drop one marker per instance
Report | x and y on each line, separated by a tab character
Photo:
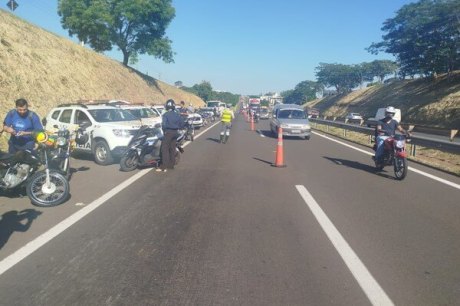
400	167
129	162
47	195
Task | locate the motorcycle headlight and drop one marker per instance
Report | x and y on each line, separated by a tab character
121	133
400	144
61	141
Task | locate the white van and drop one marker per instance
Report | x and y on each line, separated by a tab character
380	114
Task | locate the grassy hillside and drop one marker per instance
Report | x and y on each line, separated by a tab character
422	101
47	70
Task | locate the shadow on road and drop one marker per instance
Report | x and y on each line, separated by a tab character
266	133
213	139
357	165
75	170
264	161
13	221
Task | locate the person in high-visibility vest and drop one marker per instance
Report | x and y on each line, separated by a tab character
226	119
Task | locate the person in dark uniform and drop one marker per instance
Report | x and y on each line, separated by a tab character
171	123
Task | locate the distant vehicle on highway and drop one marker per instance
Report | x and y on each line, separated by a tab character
264	113
380	114
312	112
354	117
292	119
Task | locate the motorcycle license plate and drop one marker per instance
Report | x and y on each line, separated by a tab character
295	131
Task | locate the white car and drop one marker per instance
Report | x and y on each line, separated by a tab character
110	128
354	117
145	113
196	120
159	109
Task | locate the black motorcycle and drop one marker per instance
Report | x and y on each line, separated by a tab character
30	169
144	149
64	145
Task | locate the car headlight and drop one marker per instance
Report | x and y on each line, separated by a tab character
306	127
121	133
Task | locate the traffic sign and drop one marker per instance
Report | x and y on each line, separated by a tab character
12	5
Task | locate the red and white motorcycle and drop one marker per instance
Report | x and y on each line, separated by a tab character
394	154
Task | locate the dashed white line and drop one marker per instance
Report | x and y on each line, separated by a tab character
366	281
441	180
41	240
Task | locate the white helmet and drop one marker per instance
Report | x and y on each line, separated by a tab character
390	111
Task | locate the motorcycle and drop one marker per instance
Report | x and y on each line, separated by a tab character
64	145
144	149
189	130
30	169
394	154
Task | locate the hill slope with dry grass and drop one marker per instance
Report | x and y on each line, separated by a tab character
47	70
422	101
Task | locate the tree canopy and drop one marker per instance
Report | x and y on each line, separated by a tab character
134	26
303	92
424	36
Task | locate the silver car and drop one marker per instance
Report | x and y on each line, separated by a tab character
292	119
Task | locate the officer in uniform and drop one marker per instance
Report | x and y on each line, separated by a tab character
226	123
171	123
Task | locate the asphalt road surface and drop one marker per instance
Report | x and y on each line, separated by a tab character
227	228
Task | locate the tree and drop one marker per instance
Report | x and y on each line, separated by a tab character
424	36
135	27
203	90
343	77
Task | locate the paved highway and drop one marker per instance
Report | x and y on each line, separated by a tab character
226	228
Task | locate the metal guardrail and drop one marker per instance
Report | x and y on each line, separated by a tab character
443	145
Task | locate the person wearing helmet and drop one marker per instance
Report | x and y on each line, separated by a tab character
385	128
22	124
171	123
226	123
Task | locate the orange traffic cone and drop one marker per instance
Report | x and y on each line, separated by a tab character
279	161
252	123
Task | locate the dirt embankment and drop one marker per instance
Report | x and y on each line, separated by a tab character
47	70
422	101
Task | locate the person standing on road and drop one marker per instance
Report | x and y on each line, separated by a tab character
22	124
226	119
171	123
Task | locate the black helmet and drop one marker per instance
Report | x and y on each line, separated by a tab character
81	138
170	105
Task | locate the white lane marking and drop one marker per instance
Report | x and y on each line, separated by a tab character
366	281
441	180
41	240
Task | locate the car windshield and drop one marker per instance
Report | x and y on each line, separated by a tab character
143	113
291	114
110	115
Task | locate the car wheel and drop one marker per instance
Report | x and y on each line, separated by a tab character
307	137
102	154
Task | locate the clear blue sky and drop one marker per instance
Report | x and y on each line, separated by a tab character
253	46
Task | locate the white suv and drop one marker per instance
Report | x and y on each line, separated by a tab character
145	113
110	128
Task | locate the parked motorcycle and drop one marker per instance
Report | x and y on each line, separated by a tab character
30	169
144	149
394	154
64	145
189	130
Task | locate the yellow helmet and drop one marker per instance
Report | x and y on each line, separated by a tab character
41	137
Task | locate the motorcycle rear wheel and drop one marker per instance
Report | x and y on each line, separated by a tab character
400	167
46	196
129	162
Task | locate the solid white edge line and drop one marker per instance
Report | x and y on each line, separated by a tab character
366	281
17	256
431	176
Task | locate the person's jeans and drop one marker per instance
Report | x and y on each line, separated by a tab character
13	148
225	128
380	140
168	149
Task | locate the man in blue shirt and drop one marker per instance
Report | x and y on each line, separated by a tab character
171	122
22	124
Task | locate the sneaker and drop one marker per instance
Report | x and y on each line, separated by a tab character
160	170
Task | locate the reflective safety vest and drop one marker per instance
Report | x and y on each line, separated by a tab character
226	116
